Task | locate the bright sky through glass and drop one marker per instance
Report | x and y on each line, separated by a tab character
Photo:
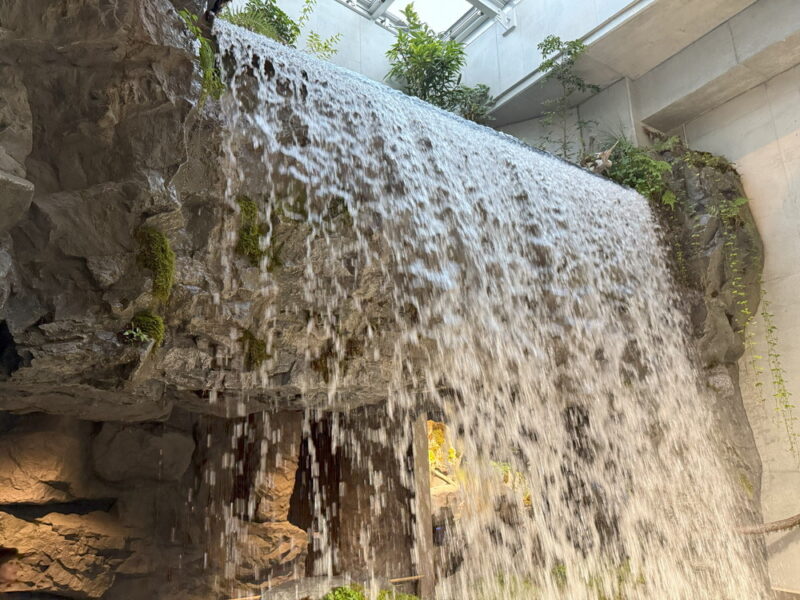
439	14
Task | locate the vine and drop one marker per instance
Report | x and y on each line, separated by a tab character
780	393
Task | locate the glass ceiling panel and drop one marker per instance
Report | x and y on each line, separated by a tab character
439	14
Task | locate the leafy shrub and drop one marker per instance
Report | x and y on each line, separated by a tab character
635	168
356	592
429	67
425	65
265	17
473	103
145	326
348	592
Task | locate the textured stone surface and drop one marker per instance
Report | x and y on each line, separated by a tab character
45	466
71	555
15	198
271	551
131	150
276	480
122	453
718	258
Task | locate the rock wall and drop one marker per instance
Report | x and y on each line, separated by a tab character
717	260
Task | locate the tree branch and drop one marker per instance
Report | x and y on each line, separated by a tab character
782	525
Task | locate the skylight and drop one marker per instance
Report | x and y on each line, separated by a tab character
439	14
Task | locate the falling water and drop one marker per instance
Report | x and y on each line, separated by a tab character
528	304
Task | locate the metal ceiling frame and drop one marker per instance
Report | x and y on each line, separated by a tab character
482	12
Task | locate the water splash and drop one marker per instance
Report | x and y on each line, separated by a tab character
527	303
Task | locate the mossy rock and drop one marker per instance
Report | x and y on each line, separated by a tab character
255	350
700	160
156	255
150	324
251	230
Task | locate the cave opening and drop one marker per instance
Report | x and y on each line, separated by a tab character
10	360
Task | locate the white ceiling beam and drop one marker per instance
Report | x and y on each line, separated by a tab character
491	9
381	9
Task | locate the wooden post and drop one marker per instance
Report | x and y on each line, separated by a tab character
423	519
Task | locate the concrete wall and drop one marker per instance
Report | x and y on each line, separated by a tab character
760	131
604	117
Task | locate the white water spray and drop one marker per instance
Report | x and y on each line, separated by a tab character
531	307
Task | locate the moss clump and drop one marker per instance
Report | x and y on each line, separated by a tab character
155	254
251	230
255	350
150	325
706	159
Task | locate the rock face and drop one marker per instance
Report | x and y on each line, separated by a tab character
122	453
71	555
113	205
718	259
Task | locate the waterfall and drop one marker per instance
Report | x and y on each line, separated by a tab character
525	302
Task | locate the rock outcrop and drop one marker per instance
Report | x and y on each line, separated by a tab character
718	259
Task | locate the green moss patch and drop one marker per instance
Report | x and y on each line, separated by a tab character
706	159
156	255
255	350
251	230
149	325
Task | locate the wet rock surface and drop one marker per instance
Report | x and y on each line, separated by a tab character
133	151
717	257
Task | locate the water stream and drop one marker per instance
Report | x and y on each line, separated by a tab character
526	302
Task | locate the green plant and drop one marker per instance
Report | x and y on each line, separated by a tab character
780	393
134	334
635	168
706	159
558	65
155	254
425	65
347	592
320	47
211	81
473	103
356	592
144	327
265	17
